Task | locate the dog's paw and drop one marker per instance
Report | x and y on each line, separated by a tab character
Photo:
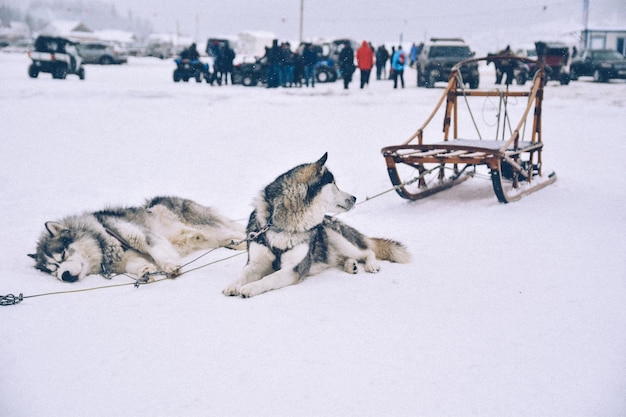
372	267
146	273
236	245
170	268
248	291
351	266
231	291
145	278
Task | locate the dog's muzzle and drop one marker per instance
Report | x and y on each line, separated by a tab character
70	271
349	203
68	277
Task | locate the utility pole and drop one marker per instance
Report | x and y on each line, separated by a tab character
197	22
301	18
585	36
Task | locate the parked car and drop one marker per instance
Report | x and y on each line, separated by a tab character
530	53
524	71
601	64
160	49
57	56
102	53
436	59
19	46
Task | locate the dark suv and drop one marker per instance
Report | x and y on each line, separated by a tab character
602	64
57	56
437	58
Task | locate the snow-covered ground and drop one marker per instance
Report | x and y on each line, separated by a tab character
506	310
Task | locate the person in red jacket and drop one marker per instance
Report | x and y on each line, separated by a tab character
365	62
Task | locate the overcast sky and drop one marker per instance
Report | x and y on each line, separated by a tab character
380	21
377	21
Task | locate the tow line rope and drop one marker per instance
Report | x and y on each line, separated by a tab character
12	299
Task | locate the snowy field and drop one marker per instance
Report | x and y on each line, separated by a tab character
506	310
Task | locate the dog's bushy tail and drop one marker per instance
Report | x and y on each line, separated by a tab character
390	250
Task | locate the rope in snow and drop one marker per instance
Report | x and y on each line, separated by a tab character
396	187
12	299
409	182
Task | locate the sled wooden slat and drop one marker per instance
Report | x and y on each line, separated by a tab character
515	164
454	154
424	153
474	155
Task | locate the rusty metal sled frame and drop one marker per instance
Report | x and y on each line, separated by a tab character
514	162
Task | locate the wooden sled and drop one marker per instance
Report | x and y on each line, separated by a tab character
419	168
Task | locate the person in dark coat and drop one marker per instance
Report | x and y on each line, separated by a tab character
309	59
213	49
274	55
227	58
346	64
298	69
505	66
382	56
286	65
192	52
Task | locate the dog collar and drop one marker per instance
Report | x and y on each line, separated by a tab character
123	242
255	235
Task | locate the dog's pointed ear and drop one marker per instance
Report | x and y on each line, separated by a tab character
322	160
54	228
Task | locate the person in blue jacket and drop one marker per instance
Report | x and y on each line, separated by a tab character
398	62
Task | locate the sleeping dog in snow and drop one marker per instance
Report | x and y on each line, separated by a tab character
135	240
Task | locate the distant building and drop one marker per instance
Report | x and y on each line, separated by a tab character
74	30
167	45
121	37
253	43
14	31
604	39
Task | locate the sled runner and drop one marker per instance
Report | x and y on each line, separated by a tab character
419	168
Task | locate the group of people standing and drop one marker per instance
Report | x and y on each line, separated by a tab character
223	56
366	58
287	68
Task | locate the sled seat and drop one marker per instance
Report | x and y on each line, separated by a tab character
467	148
514	158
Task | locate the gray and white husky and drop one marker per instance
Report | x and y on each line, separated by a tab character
291	236
136	240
